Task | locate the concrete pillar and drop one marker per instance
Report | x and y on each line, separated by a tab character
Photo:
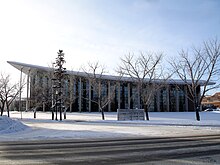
71	83
119	95
90	96
20	86
158	100
139	97
100	93
80	94
28	91
168	98
186	99
129	97
177	100
109	96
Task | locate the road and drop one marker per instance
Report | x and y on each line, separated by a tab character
167	150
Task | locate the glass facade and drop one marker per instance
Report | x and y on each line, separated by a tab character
116	94
76	92
172	98
123	96
182	105
135	97
163	100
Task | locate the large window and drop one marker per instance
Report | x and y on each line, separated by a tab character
163	100
173	98
182	99
85	95
135	97
76	92
123	95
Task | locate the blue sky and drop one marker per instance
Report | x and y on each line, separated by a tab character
32	31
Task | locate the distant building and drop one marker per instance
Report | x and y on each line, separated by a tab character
212	100
172	98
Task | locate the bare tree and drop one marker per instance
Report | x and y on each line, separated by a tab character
144	70
8	92
199	69
101	97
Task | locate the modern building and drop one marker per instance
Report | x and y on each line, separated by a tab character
173	97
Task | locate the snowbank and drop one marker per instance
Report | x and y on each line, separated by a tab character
7	125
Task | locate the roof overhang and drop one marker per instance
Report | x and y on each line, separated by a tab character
29	68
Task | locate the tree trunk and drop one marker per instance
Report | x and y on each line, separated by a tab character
60	108
146	112
102	111
7	106
35	114
103	115
35	111
64	114
8	112
197	108
52	111
197	113
2	111
52	115
2	108
56	112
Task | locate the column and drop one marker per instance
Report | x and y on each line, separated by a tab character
177	100
43	87
28	89
71	92
168	98
119	95
109	96
158	100
186	98
129	96
100	94
20	86
90	95
80	94
139	96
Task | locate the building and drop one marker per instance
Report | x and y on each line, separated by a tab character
212	100
171	98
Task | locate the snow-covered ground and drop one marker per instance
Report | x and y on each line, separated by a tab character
90	126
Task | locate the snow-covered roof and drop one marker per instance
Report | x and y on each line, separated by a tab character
26	68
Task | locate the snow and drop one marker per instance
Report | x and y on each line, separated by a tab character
7	125
90	126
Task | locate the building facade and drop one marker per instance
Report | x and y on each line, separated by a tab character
79	95
212	100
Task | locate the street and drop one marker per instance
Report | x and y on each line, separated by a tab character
159	150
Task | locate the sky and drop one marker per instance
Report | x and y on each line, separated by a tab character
32	31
